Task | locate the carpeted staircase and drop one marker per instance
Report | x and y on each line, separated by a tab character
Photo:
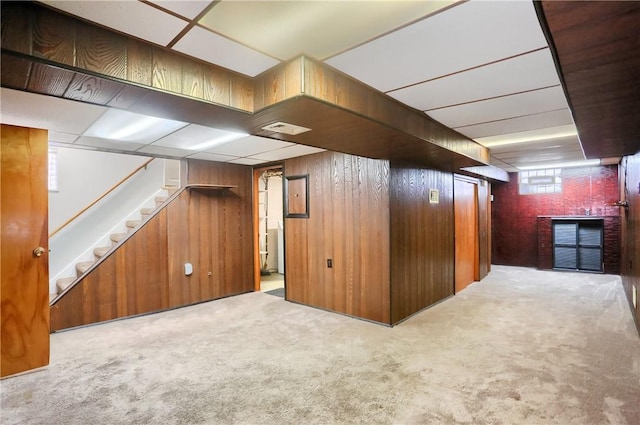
115	238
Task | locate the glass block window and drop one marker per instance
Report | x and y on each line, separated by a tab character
53	170
540	181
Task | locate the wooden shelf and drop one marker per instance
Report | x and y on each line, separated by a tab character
210	186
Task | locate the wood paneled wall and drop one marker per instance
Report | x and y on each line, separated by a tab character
34	30
484	228
349	224
422	240
630	264
211	229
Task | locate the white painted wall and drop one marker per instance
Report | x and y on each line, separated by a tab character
83	176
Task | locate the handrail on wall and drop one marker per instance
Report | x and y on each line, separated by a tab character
101	197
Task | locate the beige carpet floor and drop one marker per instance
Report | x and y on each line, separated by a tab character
520	347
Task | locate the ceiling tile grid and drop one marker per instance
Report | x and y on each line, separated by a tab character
482	68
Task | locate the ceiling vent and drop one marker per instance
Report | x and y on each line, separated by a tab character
286	128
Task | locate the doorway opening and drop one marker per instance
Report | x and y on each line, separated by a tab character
269	230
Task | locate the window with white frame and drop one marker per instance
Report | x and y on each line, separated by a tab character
53	170
540	181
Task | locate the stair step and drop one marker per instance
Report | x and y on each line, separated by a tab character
117	237
160	200
145	212
131	224
83	267
171	189
62	284
100	251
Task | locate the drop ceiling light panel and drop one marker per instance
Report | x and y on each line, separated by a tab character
192	137
161	150
210	47
284	29
464	36
188	9
119	125
288	152
52	113
527	72
515	125
130	17
516	105
249	146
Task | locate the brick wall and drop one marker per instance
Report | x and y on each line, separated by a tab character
515	217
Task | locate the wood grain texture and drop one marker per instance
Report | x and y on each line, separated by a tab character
484	229
16	27
211	229
139	62
15	71
90	89
349	224
24	287
48	80
217	85
126	97
241	92
596	44
630	269
422	242
466	232
54	36
167	71
192	78
100	50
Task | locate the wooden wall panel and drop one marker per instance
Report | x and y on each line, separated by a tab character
14	37
192	78
630	264
349	224
210	229
54	36
90	89
139	62
241	92
167	71
422	242
100	50
277	84
484	228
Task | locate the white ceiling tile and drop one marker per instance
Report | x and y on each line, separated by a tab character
513	125
161	150
285	29
187	8
51	113
527	72
58	137
538	134
97	142
210	47
212	157
130	17
288	152
512	106
194	137
464	36
249	146
247	161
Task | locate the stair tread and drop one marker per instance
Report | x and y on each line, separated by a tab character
117	237
62	284
146	211
82	266
133	223
100	251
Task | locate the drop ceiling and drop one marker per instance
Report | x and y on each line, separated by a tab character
482	68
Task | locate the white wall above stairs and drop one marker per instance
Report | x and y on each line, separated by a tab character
76	241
